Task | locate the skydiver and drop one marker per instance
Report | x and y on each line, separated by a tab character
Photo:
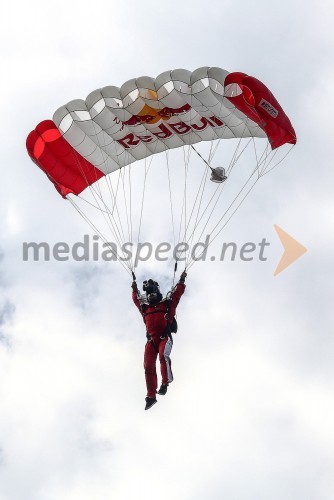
159	318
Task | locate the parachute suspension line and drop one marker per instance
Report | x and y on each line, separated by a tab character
113	231
215	204
142	201
265	171
256	156
262	162
131	226
96	195
101	210
182	213
91	204
184	201
115	228
192	262
205	178
152	153
170	197
175	269
242	200
236	157
187	220
271	156
172	214
147	167
220	187
201	188
93	193
218	191
126	206
186	171
199	193
96	230
213	149
113	196
262	158
267	161
111	224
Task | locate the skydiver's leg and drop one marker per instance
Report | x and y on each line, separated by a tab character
150	358
165	348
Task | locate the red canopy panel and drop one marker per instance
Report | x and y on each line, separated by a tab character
66	168
259	104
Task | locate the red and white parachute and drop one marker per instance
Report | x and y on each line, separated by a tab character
115	127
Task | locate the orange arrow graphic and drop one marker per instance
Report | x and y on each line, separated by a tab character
292	250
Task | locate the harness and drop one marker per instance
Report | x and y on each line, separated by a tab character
170	327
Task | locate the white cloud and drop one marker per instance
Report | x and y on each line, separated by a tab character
249	414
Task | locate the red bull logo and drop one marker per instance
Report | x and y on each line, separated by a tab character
151	115
166	130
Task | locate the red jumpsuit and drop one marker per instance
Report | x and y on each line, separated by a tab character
155	321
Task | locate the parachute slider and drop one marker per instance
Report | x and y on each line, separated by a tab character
218	174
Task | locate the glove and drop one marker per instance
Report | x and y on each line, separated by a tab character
134	286
183	277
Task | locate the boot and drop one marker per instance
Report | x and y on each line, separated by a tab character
163	389
150	402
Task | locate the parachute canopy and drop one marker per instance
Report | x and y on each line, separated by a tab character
114	127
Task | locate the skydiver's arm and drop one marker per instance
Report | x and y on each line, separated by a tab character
135	296
177	294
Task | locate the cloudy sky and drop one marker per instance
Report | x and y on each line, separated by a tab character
250	413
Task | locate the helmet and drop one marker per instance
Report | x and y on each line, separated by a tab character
152	290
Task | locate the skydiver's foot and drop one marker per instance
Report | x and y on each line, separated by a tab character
150	402
163	389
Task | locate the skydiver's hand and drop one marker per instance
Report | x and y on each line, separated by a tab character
134	286
183	277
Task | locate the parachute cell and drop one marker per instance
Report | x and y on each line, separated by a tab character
114	126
